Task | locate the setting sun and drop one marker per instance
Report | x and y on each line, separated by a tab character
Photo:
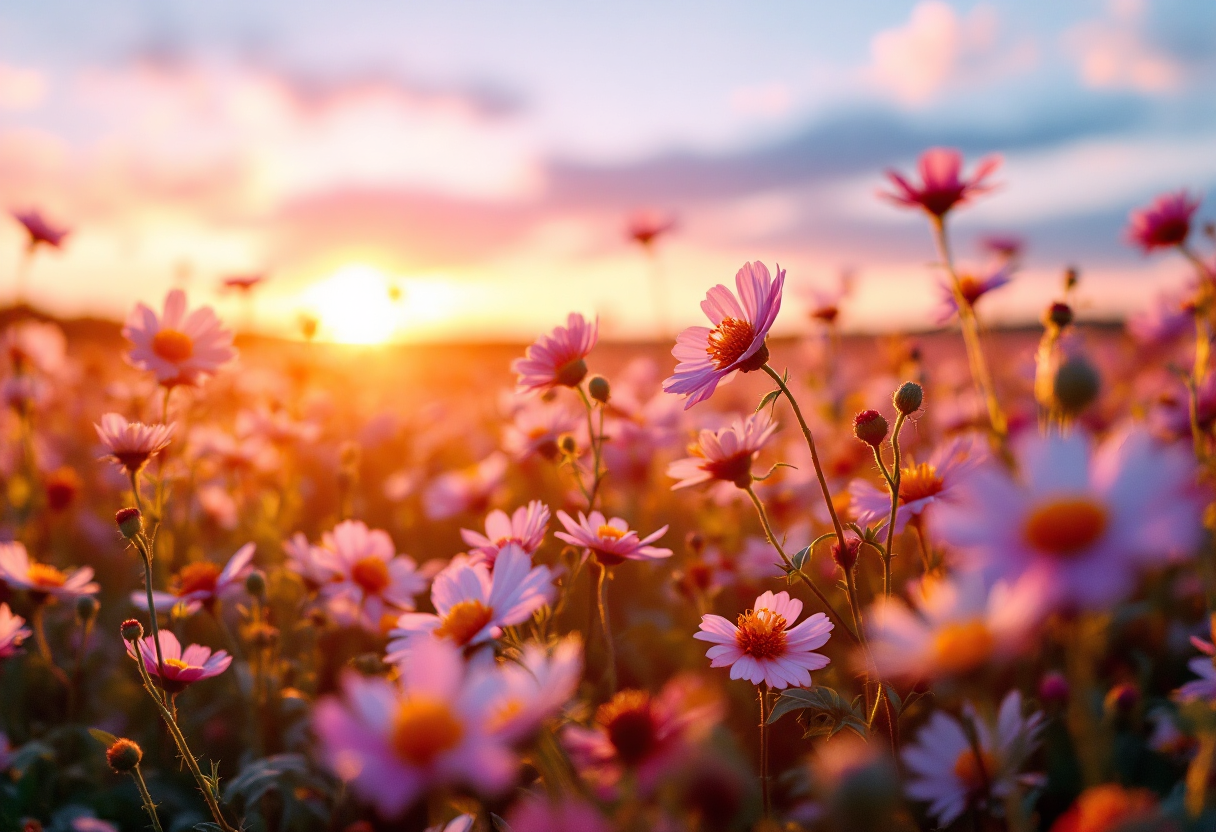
355	306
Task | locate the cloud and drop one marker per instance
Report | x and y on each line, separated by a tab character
21	88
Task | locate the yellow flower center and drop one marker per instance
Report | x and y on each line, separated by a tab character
197	577
173	345
761	634
607	532
962	646
464	620
178	663
44	575
1065	527
919	482
423	729
728	341
975	772
371	574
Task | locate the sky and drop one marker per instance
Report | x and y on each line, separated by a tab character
466	170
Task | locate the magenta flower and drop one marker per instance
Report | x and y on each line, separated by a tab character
767	646
12	632
526	528
1204	688
41	232
972	288
557	359
647	226
611	541
179	347
736	343
724	454
201	583
941	187
1165	222
182	667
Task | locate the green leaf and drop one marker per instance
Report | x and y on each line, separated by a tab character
822	711
768	399
896	702
800	557
104	737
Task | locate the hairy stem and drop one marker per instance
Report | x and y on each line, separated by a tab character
146	796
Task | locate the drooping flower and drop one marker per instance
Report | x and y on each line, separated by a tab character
178	347
736	343
371	583
536	687
1108	807
201	583
972	288
1165	222
725	454
39	231
557	359
1084	528
182	667
472	605
1203	688
132	444
945	770
42	579
941	186
391	741
526	528
469	489
610	541
920	487
12	632
766	645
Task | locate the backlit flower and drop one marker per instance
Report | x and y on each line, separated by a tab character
647	226
34	345
182	667
557	359
12	632
1165	222
536	428
736	343
941	187
921	486
945	770
972	288
312	563
469	489
132	444
40	232
178	347
611	541
42	579
371	583
536	687
201	583
526	528
766	645
725	454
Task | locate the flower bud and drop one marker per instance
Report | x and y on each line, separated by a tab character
846	556
255	584
1072	276
1076	385
870	427
571	373
86	608
908	398
131	630
599	389
124	755
1054	688
1122	699
129	521
1058	315
567	444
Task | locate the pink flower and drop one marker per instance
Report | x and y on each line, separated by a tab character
182	667
1004	246
12	632
1170	316
536	428
708	357
941	188
312	563
39	230
525	528
42	579
132	444
920	487
469	489
391	741
972	289
1164	223
647	226
767	646
35	345
371	583
1204	688
536	686
611	541
180	348
201	583
473	606
557	359
725	454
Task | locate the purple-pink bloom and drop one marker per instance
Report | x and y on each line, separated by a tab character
526	528
724	454
972	288
40	231
557	359
1164	223
611	541
182	667
12	632
767	646
941	186
178	347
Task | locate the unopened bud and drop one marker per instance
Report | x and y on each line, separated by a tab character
870	427
86	608
1072	276
1058	315
1076	385
1054	688
131	630
846	556
255	584
124	755
567	444
695	543
599	389
908	398
130	522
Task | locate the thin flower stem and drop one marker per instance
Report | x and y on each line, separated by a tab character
772	539
44	648
605	626
810	443
596	440
893	481
142	545
78	670
146	796
766	796
1203	348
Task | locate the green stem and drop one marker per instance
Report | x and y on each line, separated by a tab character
766	797
602	601
142	545
146	796
596	441
893	480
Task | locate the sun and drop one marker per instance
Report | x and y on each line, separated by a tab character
355	305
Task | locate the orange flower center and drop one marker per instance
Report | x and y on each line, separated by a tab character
197	577
423	729
919	482
172	345
178	663
1066	526
962	646
465	620
971	288
503	714
736	469
43	575
728	341
630	725
761	634
607	532
975	772
371	574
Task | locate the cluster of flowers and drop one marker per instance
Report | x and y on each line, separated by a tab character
987	621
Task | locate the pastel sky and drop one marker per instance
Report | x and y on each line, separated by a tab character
484	157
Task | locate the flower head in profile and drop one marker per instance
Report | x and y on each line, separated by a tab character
391	741
472	605
371	583
972	287
557	359
182	667
725	454
942	185
920	486
766	645
1083	527
200	584
945	770
12	632
645	227
1164	223
40	232
42	579
525	527
736	342
132	444
178	347
610	541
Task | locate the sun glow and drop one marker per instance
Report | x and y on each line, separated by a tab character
355	306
